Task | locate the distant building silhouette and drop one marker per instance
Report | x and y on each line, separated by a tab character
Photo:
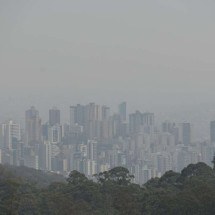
54	116
185	133
33	126
123	111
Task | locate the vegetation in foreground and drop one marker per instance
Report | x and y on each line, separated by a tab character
190	192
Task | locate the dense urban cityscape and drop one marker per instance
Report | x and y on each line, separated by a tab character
96	140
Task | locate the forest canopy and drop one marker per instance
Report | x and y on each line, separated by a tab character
27	191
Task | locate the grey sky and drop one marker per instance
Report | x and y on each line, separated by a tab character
109	50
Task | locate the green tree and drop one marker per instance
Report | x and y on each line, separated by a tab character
118	175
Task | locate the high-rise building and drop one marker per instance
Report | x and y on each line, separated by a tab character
92	150
90	112
9	133
148	122
148	119
54	134
80	114
168	127
135	122
139	122
33	127
54	116
122	111
105	113
212	131
93	118
185	133
72	116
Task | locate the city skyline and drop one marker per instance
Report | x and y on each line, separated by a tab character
156	55
96	139
198	115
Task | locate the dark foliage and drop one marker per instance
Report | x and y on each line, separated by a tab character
24	191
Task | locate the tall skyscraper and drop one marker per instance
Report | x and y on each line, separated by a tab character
54	134
168	127
72	117
80	114
212	131
148	119
92	150
122	111
185	133
9	133
33	127
141	122
105	113
135	122
54	116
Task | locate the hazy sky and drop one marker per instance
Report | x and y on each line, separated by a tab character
143	51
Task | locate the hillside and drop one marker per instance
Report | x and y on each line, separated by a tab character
190	192
33	176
